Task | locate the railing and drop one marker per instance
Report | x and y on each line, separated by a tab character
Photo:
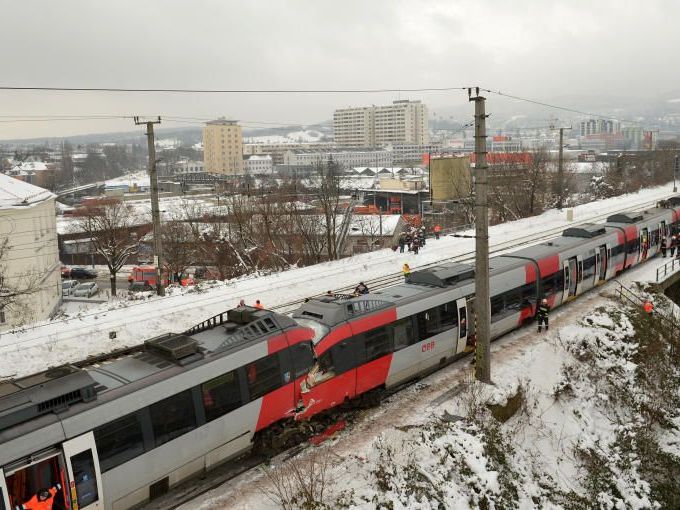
666	269
210	323
627	295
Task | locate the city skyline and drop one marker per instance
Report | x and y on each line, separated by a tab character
528	49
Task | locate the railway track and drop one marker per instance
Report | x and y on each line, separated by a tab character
497	249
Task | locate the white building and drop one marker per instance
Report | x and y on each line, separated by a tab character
346	159
402	122
259	165
31	259
189	167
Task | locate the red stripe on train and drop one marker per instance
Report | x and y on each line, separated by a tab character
549	265
355	327
276	405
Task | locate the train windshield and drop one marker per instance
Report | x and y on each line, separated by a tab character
320	330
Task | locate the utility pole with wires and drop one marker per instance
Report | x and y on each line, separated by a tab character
155	210
482	299
560	167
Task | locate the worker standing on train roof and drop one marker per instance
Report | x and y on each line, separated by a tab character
42	500
406	270
259	305
542	314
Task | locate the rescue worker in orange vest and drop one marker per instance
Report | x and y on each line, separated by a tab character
437	230
43	499
648	307
259	305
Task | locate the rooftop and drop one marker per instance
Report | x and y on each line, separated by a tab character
16	193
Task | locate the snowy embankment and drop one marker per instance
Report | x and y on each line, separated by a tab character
55	342
580	417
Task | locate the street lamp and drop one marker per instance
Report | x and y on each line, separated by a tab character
676	163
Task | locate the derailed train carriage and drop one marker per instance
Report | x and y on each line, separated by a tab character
122	429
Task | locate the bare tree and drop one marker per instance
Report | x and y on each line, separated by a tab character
14	287
109	225
329	201
179	247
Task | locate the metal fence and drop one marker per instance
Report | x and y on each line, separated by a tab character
668	268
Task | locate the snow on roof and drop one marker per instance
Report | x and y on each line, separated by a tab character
260	158
16	193
30	166
141	179
374	224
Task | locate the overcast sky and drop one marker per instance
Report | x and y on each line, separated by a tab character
536	48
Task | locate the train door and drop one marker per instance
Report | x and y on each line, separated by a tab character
82	465
602	263
644	243
570	269
4	495
462	325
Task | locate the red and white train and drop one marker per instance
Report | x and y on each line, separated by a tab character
118	430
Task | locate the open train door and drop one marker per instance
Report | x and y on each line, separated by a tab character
85	478
4	495
461	304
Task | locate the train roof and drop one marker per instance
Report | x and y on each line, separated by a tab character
55	389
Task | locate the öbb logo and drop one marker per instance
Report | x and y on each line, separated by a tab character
429	346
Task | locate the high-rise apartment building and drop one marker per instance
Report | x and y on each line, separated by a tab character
402	122
597	126
223	147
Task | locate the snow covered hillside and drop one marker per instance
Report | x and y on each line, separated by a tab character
585	416
55	342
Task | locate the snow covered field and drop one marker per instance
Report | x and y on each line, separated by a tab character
51	343
433	445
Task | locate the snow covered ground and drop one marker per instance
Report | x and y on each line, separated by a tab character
55	342
433	445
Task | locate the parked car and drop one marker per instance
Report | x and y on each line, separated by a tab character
81	273
65	271
67	287
140	287
87	289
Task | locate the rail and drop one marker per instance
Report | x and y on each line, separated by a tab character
663	271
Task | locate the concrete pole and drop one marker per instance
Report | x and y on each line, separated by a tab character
482	299
560	172
155	210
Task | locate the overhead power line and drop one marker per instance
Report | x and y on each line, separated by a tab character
231	91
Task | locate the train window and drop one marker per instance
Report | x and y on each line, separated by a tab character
119	441
513	300
269	323
264	375
85	478
172	417
303	358
403	333
378	343
428	323
496	308
589	268
448	315
617	250
347	354
528	294
221	395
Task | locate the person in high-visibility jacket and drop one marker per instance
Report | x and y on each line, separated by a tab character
406	270
542	314
648	307
259	305
42	500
